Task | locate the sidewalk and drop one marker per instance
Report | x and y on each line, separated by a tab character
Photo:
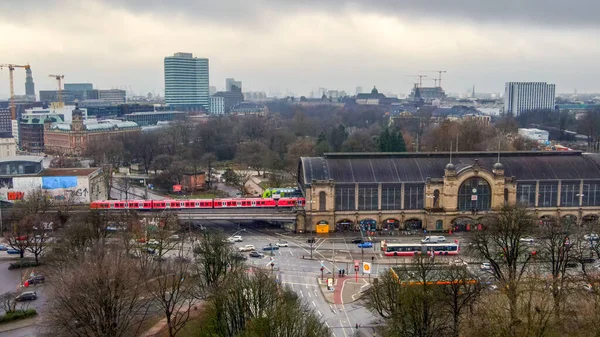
19	324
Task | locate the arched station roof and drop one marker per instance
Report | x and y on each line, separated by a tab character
417	167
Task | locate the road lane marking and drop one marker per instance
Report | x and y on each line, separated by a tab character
292	254
326	323
313	302
309	295
301	293
320	314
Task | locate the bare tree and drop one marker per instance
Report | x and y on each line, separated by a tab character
99	295
406	298
173	290
500	244
255	305
8	301
459	294
215	261
555	254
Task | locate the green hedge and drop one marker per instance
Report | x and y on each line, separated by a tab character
17	314
22	264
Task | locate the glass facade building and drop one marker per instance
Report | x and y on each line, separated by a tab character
186	81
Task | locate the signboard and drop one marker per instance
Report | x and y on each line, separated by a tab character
366	267
330	283
323	227
473	198
276	196
356	263
176	188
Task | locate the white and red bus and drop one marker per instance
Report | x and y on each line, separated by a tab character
411	249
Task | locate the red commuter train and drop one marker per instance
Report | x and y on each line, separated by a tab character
198	203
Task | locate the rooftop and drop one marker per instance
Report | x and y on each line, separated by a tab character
63	172
155	113
37	159
417	167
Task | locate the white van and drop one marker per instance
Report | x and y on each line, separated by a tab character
433	239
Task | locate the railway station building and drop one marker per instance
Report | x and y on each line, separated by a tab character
439	192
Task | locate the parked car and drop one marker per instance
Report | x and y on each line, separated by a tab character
13	251
527	239
366	244
37	279
237	238
153	242
311	240
3	248
434	239
174	237
247	248
26	296
357	240
271	246
282	244
257	254
485	266
591	237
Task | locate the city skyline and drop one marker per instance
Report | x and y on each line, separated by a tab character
268	46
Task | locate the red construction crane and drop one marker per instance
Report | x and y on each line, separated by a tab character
11	69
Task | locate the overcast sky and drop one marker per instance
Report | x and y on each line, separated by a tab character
303	45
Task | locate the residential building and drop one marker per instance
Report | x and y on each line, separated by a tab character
153	117
433	192
31	130
29	85
255	96
186	82
232	85
249	108
5	120
540	136
526	96
113	95
8	146
73	185
230	98
66	112
73	138
482	120
217	105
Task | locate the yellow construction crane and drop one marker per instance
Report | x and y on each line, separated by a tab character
59	79
11	69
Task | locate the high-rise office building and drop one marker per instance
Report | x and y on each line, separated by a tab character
526	96
186	81
29	85
113	95
232	85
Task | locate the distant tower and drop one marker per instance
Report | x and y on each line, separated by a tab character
29	86
473	92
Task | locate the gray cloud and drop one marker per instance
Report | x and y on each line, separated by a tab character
547	13
522	12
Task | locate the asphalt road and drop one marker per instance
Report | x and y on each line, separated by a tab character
301	274
9	280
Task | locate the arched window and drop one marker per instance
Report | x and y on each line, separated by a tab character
474	194
322	201
436	198
506	196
